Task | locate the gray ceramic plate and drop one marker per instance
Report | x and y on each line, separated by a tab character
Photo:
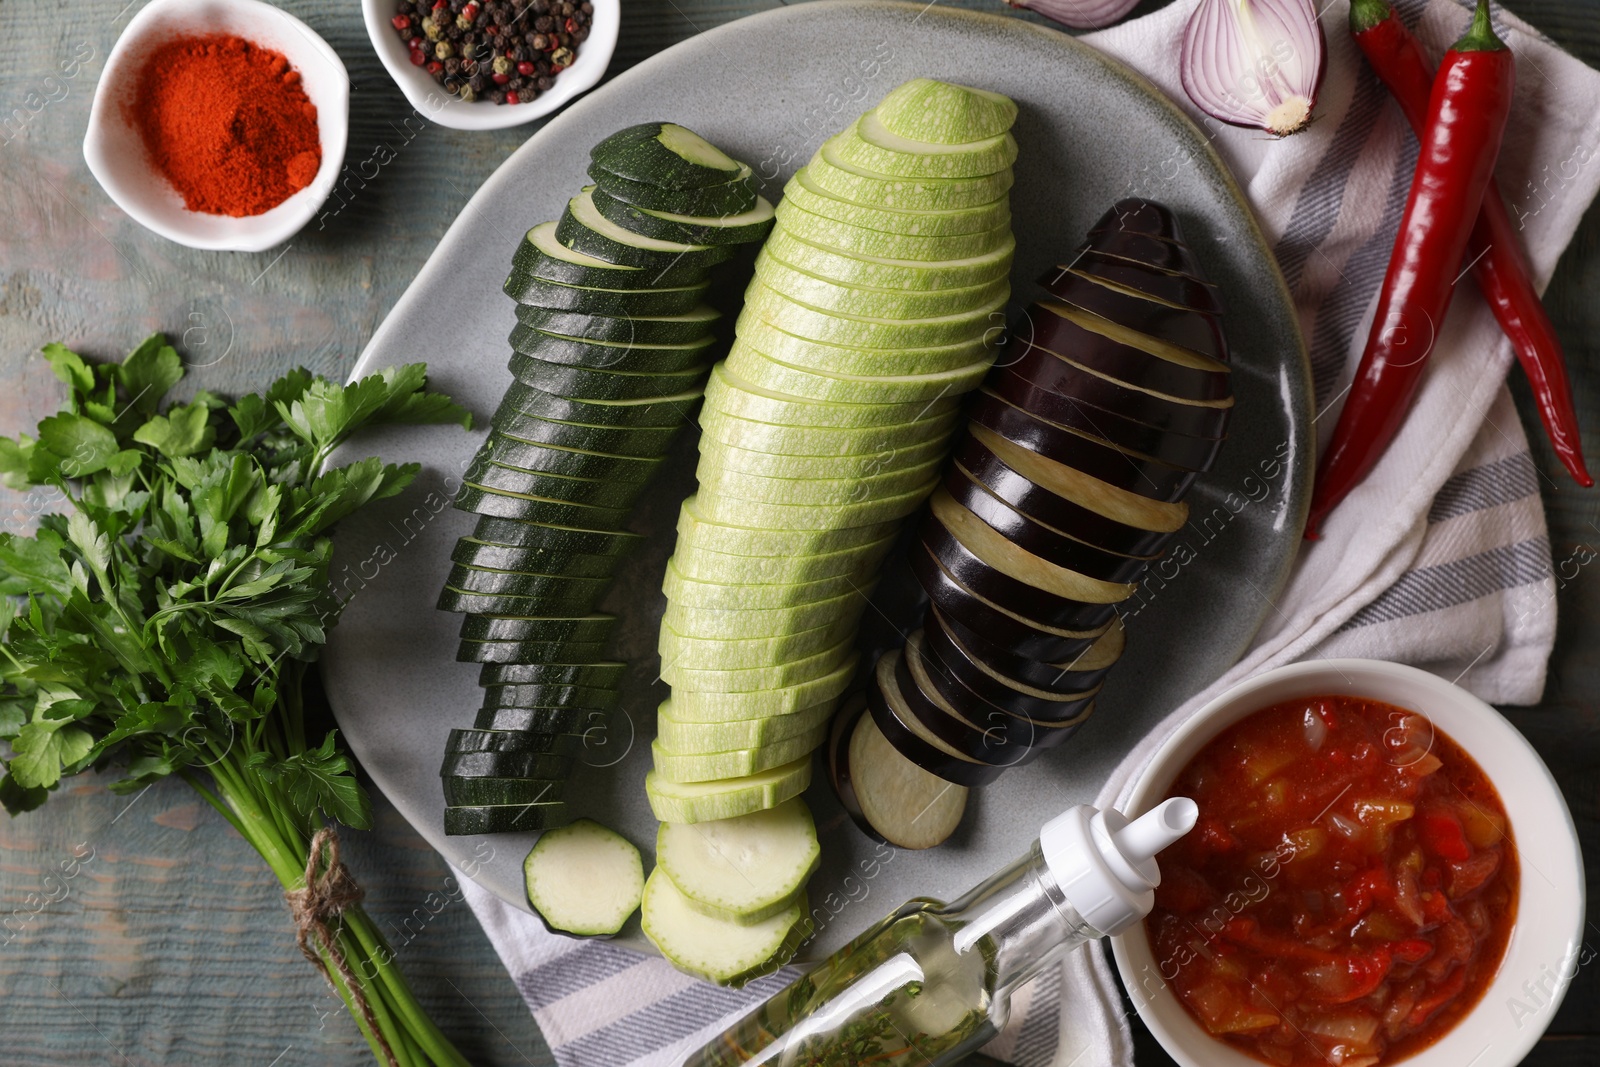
769	89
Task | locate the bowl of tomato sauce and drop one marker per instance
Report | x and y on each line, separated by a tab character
1383	870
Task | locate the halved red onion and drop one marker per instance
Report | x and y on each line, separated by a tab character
1254	62
1079	14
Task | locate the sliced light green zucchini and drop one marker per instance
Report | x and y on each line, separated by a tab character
768	372
869	147
746	869
725	952
689	802
888	272
676	734
856	239
729	393
803	192
944	113
734	763
834	176
584	879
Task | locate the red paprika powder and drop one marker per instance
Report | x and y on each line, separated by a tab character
227	122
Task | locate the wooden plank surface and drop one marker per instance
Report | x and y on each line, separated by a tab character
167	942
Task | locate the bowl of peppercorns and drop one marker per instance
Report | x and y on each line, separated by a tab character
488	64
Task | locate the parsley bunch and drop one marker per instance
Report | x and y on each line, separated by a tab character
164	623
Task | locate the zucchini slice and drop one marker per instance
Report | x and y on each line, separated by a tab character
725	229
461	600
593	300
513	741
727	953
556	538
474	552
586	383
688	327
603	675
470	651
515	583
688	802
666	155
610	493
683	767
537	720
584	879
510	790
463	820
580	629
639	441
486	500
587	232
545	765
745	869
669	411
543	257
567	462
623	355
730	198
549	694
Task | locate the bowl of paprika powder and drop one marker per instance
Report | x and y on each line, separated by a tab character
219	124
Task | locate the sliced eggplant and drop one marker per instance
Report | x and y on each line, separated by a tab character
914	740
1177	290
1081	671
889	797
984	697
1090	342
984	734
1060	374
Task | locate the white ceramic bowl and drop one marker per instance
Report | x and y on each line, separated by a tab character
429	100
116	155
1545	942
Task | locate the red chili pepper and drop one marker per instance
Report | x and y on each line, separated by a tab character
1498	266
1467	112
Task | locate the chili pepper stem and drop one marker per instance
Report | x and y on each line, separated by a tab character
1365	14
1480	35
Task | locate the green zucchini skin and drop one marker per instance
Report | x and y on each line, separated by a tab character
504	765
458	600
466	820
522	651
599	698
594	383
538	720
720	229
577	236
635	441
621	355
535	292
487	556
589	629
593	492
559	744
694	326
567	462
507	789
589	675
667	412
643	153
730	198
515	583
486	500
555	538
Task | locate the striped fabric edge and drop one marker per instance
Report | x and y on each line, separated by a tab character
1499	482
1428	589
1040	1035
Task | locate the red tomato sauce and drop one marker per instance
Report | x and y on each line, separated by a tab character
1348	892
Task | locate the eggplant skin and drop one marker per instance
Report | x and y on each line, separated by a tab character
1118	385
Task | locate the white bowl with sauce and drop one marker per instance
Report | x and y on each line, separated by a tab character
1546	942
116	154
429	100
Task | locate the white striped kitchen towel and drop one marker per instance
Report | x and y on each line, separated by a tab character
1440	559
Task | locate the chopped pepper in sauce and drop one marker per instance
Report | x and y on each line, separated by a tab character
1348	892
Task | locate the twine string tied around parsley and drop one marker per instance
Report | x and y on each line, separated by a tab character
326	895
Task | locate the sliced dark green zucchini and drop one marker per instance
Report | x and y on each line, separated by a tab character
633	356
462	600
596	492
669	411
691	327
468	651
507	789
571	462
616	440
600	698
464	820
581	628
667	155
591	300
730	198
542	256
593	675
542	720
483	500
505	765
583	383
556	537
724	229
532	560
584	230
513	583
560	744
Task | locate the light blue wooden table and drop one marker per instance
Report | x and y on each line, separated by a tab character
169	944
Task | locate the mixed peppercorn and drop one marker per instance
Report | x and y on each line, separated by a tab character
507	51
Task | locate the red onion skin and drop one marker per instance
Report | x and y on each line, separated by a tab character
1212	68
1079	14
